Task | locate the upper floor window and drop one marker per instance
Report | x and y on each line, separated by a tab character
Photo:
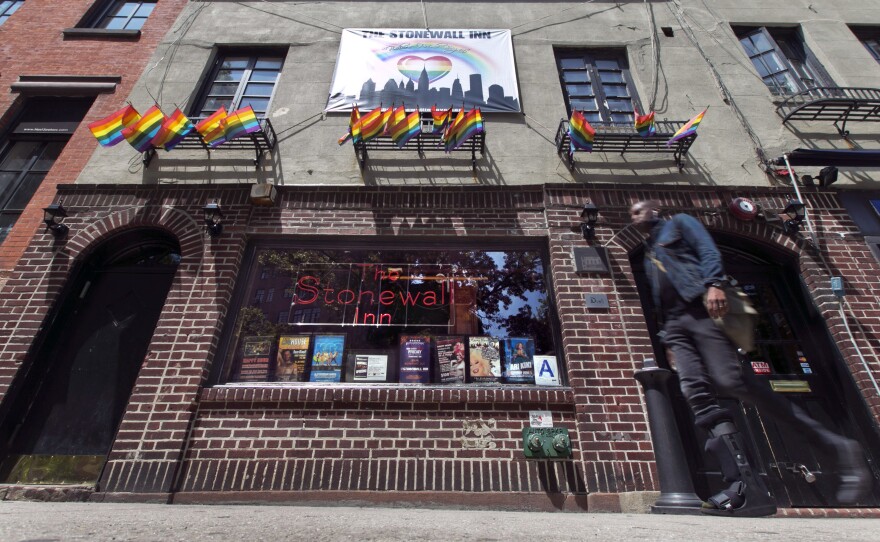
239	80
870	38
597	82
121	15
8	7
784	63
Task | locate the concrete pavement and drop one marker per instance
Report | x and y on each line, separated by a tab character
45	522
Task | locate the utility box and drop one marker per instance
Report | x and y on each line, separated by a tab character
546	443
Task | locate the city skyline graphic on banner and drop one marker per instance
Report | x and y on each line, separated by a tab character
424	68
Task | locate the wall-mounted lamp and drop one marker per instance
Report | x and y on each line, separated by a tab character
826	177
796	211
53	216
590	215
213	219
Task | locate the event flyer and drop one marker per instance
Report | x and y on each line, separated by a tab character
415	360
370	367
451	359
327	358
485	359
519	366
255	359
290	362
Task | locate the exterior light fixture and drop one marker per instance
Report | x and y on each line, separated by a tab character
590	215
53	216
213	219
796	211
826	177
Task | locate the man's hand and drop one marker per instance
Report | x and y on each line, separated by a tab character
716	302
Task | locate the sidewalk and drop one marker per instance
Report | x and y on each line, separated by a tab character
31	521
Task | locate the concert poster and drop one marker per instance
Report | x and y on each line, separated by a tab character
415	359
255	360
519	365
290	361
451	359
485	359
327	358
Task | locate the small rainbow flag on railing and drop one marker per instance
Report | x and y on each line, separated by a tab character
471	124
213	128
452	127
173	130
108	131
397	116
581	135
354	127
688	129
645	124
441	119
140	134
372	124
241	122
409	127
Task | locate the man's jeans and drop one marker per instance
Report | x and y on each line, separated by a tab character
708	365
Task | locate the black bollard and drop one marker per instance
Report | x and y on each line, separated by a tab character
676	487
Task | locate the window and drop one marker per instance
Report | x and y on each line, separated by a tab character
783	61
411	315
120	15
597	83
870	38
240	80
7	8
30	149
259	296
270	294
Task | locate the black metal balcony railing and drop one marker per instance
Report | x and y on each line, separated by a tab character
836	104
623	138
263	139
426	141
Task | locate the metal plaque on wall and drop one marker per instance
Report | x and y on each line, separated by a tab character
591	260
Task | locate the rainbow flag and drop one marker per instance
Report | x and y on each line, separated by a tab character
440	118
372	124
173	130
354	127
241	122
386	119
580	133
396	117
213	128
408	127
688	129
471	125
140	134
108	131
645	124
452	127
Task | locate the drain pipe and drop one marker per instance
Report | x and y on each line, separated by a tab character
813	236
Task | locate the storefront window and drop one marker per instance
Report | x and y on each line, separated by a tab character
446	317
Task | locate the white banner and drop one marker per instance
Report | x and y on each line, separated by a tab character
421	68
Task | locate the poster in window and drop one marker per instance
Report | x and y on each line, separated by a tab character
290	361
327	358
255	359
519	365
451	359
461	68
485	359
415	359
370	367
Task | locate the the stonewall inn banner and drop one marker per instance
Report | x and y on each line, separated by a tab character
423	68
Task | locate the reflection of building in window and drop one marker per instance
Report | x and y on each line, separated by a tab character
239	80
597	83
270	294
264	273
783	61
282	317
305	316
122	15
288	293
259	296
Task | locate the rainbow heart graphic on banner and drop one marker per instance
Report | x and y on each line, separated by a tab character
411	66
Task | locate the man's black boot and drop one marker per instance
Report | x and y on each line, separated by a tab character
747	496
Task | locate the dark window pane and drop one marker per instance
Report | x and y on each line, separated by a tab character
622	118
258	104
19	155
234	62
748	46
7	178
48	156
572	63
581	104
608	64
620	105
213	104
273	64
579	90
611	77
576	77
615	90
263	75
223	89
760	43
229	75
22	194
258	89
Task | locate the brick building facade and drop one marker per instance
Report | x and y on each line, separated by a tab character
193	431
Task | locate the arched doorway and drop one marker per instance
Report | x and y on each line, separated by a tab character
61	415
795	356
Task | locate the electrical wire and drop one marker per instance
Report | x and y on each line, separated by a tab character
655	55
425	14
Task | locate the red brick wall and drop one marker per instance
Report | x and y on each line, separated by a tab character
249	439
31	43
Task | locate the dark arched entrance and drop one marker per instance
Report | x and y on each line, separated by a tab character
795	355
61	415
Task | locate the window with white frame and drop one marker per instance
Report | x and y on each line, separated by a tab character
241	79
123	15
782	60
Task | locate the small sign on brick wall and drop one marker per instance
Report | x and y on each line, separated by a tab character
591	260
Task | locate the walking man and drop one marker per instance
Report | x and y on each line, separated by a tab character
683	264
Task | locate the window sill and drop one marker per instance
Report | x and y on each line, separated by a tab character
101	33
285	395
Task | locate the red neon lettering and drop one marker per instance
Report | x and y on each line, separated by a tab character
393	274
386	297
429	299
409	299
384	317
327	295
301	285
350	299
369	318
